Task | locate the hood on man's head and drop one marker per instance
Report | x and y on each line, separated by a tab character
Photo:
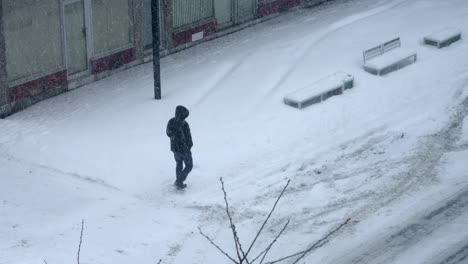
181	112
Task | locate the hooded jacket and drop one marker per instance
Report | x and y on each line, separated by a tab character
178	130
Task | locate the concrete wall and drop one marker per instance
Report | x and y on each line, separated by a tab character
4	106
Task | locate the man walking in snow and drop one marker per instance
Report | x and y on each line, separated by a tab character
178	130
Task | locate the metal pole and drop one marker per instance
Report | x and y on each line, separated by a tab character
156	44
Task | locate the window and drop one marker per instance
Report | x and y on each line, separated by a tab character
187	12
111	25
32	37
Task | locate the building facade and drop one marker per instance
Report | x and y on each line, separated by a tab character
50	46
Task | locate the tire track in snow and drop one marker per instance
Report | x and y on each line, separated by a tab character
459	257
424	163
416	170
422	170
74	175
226	73
386	249
422	166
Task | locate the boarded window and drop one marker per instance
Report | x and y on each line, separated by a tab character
33	37
111	24
187	12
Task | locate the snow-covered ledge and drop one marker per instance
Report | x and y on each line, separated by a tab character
321	90
443	38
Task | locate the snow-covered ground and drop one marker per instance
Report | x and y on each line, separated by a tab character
391	153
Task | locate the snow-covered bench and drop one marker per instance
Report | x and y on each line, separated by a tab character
443	38
387	57
321	90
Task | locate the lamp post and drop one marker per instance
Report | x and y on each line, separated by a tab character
156	44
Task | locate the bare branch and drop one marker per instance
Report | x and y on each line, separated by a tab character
216	246
239	249
266	220
265	252
160	261
322	241
81	241
45	261
274	241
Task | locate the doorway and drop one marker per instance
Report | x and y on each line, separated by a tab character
76	41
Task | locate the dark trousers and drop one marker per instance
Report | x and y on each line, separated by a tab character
184	165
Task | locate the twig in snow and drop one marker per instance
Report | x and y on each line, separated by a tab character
266	220
302	254
81	241
216	246
239	249
265	252
243	256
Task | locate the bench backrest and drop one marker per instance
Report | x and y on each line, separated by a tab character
381	49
